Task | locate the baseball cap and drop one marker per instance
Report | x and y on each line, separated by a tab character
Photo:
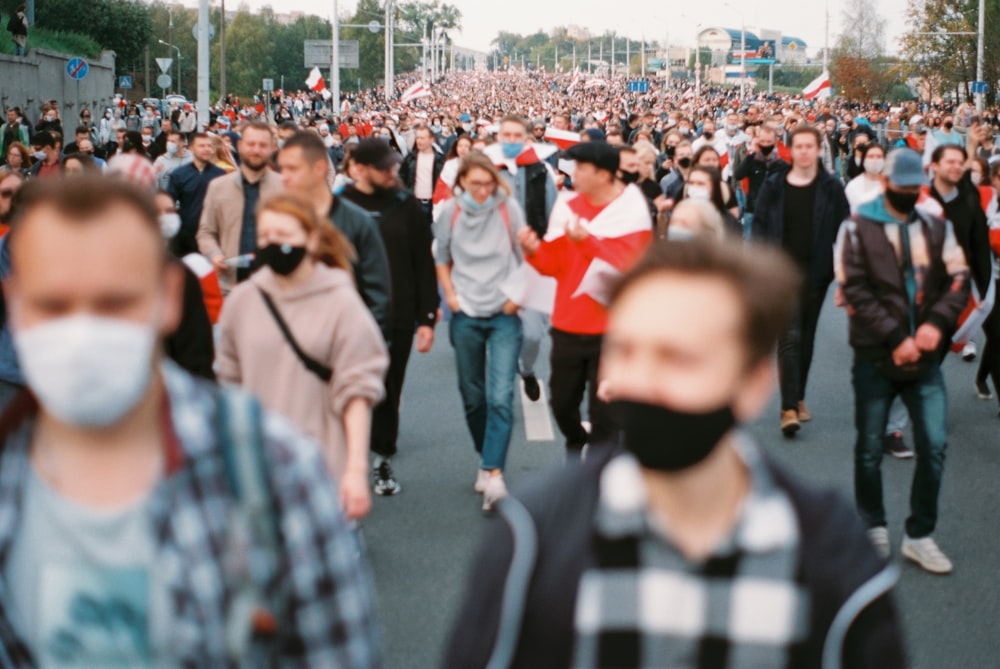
376	153
904	168
916	123
599	154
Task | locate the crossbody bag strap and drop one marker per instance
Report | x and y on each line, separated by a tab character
313	365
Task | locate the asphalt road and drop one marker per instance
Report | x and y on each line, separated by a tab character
421	542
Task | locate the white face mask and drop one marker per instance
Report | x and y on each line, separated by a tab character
699	193
87	371
171	148
976	178
40	155
170	224
874	165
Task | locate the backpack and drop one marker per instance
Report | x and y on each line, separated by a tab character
11	24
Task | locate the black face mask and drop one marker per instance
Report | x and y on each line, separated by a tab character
766	150
671	150
948	125
281	258
708	135
904	203
629	177
670	441
684	162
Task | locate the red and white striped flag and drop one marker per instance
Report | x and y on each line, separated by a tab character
315	81
562	138
417	90
818	88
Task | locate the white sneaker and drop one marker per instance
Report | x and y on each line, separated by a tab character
969	352
925	552
496	490
481	478
879	536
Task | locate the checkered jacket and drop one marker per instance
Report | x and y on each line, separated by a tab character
330	616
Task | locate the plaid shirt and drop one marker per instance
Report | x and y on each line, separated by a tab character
331	609
645	605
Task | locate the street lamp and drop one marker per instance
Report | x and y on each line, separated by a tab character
743	49
178	63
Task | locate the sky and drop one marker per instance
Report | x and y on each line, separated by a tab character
661	20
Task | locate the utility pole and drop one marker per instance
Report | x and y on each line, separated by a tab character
222	52
590	60
335	61
979	55
423	62
204	63
628	57
390	88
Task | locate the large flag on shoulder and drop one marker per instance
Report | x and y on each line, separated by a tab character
417	90
818	88
315	81
564	139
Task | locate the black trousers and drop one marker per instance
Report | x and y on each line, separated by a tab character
989	363
574	361
795	349
385	416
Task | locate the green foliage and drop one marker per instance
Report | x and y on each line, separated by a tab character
124	26
70	43
540	48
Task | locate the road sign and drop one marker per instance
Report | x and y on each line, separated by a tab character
374	27
164	64
268	85
641	86
124	83
980	87
77	68
164	81
318	52
211	32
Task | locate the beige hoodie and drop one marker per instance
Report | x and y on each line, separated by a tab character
331	324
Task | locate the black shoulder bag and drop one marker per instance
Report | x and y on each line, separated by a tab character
314	366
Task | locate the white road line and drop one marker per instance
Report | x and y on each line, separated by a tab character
537	422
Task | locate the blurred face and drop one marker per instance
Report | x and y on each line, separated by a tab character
14	159
950	168
86	146
424	140
202	149
480	184
512	133
255	148
277	228
73	166
709	159
8	187
384	179
462	148
164	204
647	166
805	151
652	355
11	116
297	174
628	161
700	180
589	179
109	266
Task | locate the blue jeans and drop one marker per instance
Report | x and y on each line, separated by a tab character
486	352
927	402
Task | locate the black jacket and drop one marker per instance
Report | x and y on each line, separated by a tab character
371	269
192	345
407	241
756	168
835	561
830	210
408	169
972	231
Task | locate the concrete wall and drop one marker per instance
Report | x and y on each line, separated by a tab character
41	75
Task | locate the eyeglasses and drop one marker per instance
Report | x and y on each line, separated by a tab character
7	192
480	185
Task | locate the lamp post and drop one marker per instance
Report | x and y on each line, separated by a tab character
177	49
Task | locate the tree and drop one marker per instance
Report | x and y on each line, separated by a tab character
859	67
123	26
944	60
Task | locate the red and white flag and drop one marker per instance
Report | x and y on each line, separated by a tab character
315	81
417	90
562	138
818	88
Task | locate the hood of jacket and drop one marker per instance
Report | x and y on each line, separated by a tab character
323	280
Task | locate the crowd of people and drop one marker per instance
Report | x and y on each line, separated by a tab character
206	333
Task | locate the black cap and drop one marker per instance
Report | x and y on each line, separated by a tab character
375	152
600	154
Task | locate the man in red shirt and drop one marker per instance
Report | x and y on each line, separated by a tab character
46	152
594	234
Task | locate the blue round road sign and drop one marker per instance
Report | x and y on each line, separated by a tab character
77	68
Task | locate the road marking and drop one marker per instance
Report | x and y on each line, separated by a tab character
537	422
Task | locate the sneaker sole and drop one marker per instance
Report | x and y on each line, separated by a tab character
912	557
388	492
790	429
969	358
983	396
900	455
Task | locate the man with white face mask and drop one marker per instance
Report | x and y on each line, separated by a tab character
175	156
118	470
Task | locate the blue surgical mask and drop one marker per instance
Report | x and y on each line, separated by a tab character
511	150
474	207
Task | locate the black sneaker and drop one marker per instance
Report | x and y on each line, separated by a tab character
894	445
531	387
385	482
